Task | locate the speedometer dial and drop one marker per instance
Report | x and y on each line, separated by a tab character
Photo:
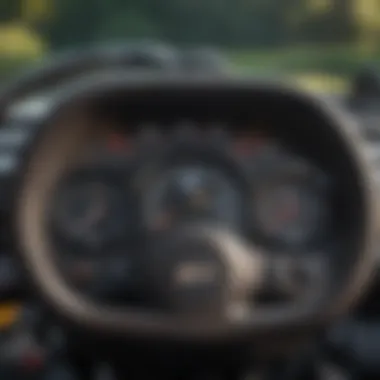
193	193
91	214
290	201
291	213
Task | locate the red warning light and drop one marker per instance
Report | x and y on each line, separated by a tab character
246	145
118	143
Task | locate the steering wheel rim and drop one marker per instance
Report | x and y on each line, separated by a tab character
75	63
80	310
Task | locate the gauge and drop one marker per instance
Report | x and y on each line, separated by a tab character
91	214
193	193
293	213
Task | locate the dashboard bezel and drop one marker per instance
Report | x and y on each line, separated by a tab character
153	90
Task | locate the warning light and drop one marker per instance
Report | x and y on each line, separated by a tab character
9	314
248	145
118	143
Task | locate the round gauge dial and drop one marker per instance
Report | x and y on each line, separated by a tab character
292	210
291	213
193	193
91	213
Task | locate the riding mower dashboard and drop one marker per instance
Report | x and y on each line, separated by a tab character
204	223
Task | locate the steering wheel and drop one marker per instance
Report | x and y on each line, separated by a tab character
227	269
75	63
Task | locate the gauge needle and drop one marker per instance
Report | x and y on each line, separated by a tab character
96	213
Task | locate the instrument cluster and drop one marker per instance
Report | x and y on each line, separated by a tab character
134	185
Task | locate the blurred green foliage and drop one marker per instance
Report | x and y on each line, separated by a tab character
11	66
335	37
228	23
335	60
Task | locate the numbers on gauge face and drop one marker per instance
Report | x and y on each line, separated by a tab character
90	214
292	213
